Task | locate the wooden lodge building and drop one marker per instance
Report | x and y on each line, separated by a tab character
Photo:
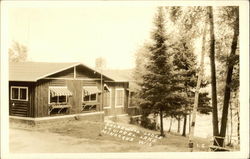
39	90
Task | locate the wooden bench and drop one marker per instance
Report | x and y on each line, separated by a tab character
218	148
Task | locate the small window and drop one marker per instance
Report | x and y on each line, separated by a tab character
53	99
23	93
93	97
19	93
119	100
89	98
58	99
14	93
59	95
62	99
89	93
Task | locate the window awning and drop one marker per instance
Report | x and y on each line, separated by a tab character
60	91
91	90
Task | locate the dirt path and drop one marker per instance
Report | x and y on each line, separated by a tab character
80	137
26	141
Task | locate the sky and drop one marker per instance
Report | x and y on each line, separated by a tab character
82	34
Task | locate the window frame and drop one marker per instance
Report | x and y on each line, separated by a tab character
110	100
49	102
89	101
20	87
123	95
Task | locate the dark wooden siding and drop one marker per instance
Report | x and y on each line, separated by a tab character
69	73
41	98
83	72
117	110
75	100
75	86
38	106
22	108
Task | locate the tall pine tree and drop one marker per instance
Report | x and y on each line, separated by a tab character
156	85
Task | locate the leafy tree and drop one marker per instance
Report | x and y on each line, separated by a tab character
231	61
18	52
187	20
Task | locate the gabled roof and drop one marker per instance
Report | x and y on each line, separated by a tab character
33	71
122	75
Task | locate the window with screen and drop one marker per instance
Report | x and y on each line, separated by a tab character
89	93
119	97
58	95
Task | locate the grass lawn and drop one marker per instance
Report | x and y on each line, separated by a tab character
83	136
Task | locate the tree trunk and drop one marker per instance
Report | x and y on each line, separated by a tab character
170	125
189	123
184	125
230	67
238	127
198	85
231	116
238	117
161	122
179	124
213	73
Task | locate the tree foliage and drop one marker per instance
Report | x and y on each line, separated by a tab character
156	85
18	52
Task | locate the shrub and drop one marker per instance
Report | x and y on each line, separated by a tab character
147	123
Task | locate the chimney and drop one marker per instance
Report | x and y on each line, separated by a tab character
100	63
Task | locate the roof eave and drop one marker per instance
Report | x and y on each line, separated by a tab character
22	81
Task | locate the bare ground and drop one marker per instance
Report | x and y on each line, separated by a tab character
82	136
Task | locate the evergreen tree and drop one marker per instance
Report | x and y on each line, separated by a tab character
156	85
185	70
187	21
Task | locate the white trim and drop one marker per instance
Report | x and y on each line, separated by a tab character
18	98
56	96
55	117
90	101
110	116
107	107
118	89
105	85
117	81
77	64
74	72
63	69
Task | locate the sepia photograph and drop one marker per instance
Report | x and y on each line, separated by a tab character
117	79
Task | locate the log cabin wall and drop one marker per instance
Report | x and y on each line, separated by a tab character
74	86
41	98
19	107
